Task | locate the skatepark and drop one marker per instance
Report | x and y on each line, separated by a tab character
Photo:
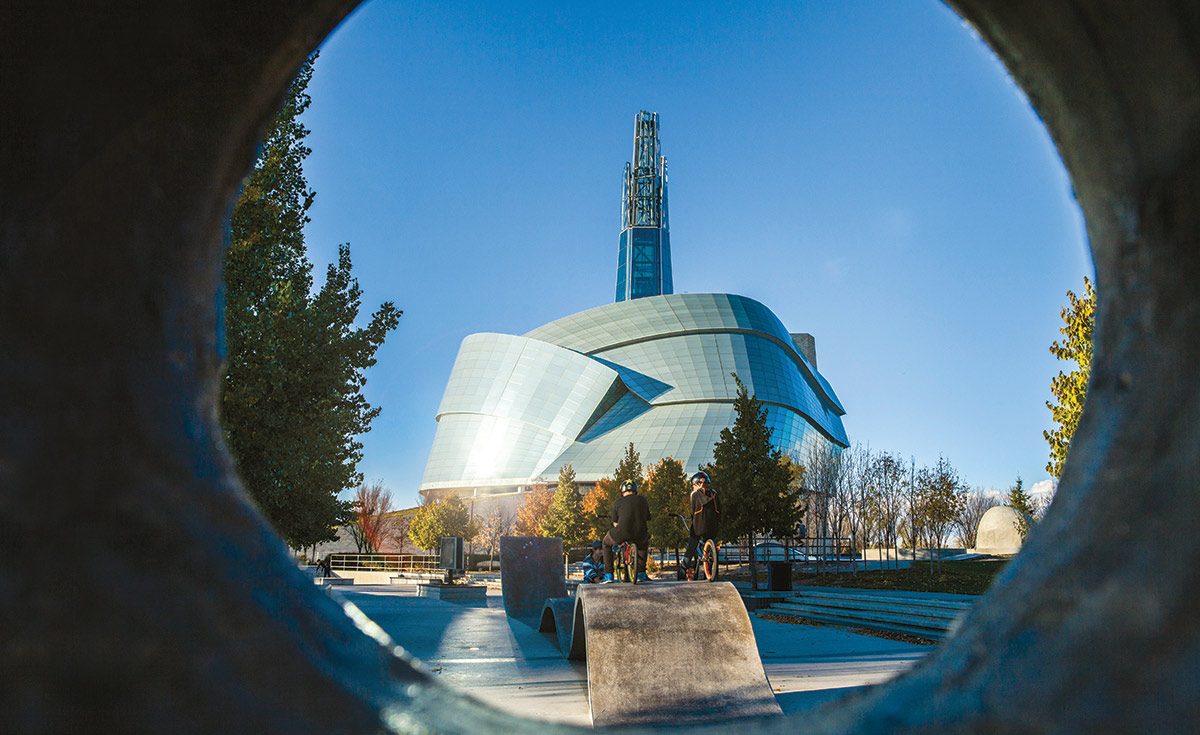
620	654
510	665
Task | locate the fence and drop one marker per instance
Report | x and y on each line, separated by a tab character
795	549
820	551
384	562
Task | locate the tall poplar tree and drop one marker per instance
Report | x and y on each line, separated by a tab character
291	398
565	518
630	468
1070	388
667	494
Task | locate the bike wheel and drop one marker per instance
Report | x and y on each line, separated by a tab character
710	560
631	561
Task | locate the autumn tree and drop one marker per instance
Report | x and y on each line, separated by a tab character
435	519
372	524
291	394
534	507
597	506
1070	389
491	527
564	519
939	497
667	491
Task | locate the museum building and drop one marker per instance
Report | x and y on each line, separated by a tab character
654	368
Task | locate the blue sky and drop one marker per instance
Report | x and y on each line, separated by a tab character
866	170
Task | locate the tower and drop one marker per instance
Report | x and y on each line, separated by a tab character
644	258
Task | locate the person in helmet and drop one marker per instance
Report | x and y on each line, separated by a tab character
630	518
705	515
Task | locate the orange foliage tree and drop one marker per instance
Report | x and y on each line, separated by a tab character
533	511
372	524
597	506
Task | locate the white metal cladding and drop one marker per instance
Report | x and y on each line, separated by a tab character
653	371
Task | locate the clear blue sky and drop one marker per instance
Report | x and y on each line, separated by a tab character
866	170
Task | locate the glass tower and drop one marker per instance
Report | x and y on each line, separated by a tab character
644	258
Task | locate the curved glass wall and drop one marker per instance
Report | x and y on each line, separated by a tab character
654	371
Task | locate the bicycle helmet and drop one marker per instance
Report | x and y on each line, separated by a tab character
629	486
702	475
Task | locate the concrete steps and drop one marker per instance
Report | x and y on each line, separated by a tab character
927	615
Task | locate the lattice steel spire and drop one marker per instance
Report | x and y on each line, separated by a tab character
644	260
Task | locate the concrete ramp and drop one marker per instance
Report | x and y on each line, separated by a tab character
563	616
531	571
664	653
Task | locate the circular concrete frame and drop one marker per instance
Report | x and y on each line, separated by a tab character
142	591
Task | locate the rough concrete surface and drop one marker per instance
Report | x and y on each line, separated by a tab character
531	572
671	653
563	618
998	531
511	666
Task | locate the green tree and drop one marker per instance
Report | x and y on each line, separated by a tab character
666	492
435	519
754	486
565	516
1022	502
1070	388
797	486
291	395
535	504
630	468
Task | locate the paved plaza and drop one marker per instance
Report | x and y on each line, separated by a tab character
513	667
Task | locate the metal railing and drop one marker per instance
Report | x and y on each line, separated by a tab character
799	550
384	562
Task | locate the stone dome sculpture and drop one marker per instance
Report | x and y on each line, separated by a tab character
999	531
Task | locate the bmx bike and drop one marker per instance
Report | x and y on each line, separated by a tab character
625	562
705	565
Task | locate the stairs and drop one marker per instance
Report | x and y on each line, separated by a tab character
923	614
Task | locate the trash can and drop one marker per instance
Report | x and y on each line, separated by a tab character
779	576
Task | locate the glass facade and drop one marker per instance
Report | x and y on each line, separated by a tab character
654	371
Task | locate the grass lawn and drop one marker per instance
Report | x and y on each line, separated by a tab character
960	577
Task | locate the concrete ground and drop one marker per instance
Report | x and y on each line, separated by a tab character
513	667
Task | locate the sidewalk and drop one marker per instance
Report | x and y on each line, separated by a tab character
515	668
